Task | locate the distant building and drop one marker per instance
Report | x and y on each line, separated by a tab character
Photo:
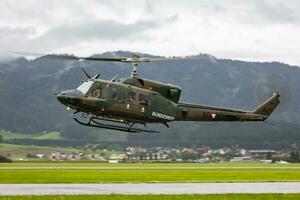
203	151
242	152
54	156
241	159
118	157
73	157
261	154
40	155
113	161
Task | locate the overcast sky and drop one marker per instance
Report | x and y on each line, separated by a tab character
253	30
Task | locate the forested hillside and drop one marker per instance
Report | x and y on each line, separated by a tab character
28	104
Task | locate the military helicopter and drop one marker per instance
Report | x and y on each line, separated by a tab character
130	102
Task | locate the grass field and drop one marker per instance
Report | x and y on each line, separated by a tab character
95	164
16	152
93	172
136	173
162	197
41	136
136	176
20	151
49	136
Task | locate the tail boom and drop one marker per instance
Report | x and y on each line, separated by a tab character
193	112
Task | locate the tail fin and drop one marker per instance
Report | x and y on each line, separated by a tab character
269	105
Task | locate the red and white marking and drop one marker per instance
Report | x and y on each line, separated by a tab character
213	115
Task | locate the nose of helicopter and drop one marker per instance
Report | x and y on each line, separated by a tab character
71	98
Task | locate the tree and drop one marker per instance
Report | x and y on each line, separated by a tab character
1	138
31	155
269	156
3	159
74	131
189	156
295	157
142	155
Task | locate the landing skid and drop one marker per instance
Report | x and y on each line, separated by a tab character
97	123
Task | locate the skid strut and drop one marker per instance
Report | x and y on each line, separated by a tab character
98	122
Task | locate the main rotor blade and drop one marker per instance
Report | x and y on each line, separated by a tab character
154	59
70	57
27	54
85	73
133	59
92	58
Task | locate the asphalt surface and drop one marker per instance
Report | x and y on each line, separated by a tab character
149	188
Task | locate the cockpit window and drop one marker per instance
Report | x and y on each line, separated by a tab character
97	90
85	86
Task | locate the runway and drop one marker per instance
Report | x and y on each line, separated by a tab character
149	188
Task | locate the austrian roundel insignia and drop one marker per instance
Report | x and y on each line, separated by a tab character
213	115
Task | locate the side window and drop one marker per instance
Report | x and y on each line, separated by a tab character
114	93
131	96
121	96
143	99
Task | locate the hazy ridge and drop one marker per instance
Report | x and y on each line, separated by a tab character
28	105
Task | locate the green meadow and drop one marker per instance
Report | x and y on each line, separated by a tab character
145	165
19	152
92	172
161	197
42	136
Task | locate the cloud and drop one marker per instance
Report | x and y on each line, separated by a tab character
7	32
268	12
11	37
99	29
279	11
93	30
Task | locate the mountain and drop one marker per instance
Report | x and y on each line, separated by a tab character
28	105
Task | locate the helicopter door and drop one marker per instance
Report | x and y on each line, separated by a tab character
131	103
143	105
120	103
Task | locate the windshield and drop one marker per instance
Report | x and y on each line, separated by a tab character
85	86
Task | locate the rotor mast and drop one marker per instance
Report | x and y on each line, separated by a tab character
134	63
134	73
